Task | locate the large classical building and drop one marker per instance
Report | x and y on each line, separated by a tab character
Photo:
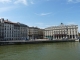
61	32
12	31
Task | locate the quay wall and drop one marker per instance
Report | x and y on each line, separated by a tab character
33	42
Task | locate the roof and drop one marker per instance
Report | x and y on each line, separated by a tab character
9	22
34	27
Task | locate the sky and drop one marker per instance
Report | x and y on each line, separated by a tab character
41	13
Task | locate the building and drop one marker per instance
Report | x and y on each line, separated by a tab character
41	33
6	29
61	32
12	31
24	29
1	29
15	31
79	34
35	33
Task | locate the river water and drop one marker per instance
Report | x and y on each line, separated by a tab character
44	51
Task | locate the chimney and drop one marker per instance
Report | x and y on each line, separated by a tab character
7	20
2	20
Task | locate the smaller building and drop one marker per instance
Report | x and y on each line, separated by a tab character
24	31
79	35
41	33
35	33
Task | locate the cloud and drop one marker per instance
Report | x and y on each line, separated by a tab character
70	23
25	2
74	1
32	2
3	17
11	4
3	9
43	14
70	0
5	1
39	23
47	0
44	25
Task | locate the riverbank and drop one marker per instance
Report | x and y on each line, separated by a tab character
14	42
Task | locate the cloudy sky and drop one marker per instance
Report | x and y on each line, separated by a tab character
41	13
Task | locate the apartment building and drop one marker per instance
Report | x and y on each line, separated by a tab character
1	29
12	31
62	31
24	29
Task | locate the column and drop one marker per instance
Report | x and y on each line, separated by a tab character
69	36
53	37
72	36
75	36
61	36
56	37
66	36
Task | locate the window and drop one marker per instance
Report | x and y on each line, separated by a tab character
5	28
10	28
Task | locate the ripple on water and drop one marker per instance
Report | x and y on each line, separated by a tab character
47	51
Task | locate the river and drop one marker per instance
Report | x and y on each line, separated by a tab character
44	51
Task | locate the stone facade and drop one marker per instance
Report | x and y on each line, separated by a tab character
1	29
12	31
24	29
35	33
61	32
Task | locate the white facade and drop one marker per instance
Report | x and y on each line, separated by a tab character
12	31
62	31
8	31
